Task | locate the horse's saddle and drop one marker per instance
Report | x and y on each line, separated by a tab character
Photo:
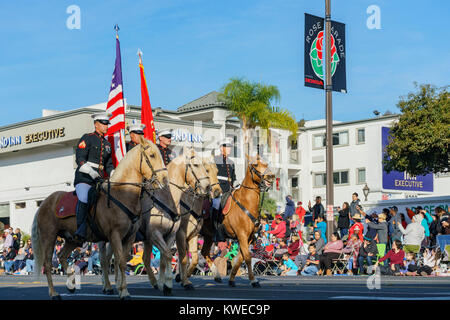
225	203
66	206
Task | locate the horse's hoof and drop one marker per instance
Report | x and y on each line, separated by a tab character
71	290
177	278
256	284
232	284
167	291
57	297
189	287
218	280
108	292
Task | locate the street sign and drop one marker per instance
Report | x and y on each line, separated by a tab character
330	213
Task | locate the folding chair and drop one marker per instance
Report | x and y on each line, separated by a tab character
340	265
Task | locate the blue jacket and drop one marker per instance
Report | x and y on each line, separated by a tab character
426	223
290	208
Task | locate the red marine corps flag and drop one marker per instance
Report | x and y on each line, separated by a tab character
116	106
146	108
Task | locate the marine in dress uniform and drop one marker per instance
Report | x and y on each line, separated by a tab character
165	140
227	177
135	131
93	157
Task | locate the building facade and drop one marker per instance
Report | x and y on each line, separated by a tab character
37	157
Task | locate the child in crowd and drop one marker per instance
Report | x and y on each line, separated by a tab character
312	262
289	268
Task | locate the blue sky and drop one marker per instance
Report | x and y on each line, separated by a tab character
192	47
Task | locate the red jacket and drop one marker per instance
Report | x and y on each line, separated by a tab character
294	248
301	213
280	230
361	230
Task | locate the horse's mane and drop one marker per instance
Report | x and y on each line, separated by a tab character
132	157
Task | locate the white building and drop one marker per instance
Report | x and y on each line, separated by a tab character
37	156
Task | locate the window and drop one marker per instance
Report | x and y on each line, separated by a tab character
320	179
361	136
294	183
339	139
293	144
340	177
21	205
361	176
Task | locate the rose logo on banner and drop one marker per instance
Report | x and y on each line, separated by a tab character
317	53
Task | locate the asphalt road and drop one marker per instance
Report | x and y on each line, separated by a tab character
272	288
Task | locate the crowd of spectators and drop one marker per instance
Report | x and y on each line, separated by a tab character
296	241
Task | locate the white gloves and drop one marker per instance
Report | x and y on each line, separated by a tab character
86	168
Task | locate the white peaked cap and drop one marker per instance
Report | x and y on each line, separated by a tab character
138	128
101	116
164	132
226	141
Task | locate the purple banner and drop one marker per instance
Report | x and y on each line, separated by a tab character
401	180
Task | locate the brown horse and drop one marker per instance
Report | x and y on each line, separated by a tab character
117	227
186	174
191	224
242	220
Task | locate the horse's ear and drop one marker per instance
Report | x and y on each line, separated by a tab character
250	159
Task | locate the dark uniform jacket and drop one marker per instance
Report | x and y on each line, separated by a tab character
226	172
95	149
167	154
131	145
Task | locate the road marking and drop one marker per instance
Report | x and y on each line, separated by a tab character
388	298
149	297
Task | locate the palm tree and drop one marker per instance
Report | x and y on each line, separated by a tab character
252	103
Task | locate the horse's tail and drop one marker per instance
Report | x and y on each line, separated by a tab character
37	248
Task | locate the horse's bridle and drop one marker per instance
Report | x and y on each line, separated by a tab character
154	177
197	180
262	181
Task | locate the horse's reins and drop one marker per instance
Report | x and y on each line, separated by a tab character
262	187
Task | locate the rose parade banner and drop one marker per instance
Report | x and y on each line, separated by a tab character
315	54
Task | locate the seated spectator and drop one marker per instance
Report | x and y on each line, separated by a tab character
352	247
27	246
357	227
93	259
19	262
409	267
156	256
311	266
282	249
321	225
331	251
280	230
395	256
381	228
294	247
29	260
300	259
413	235
289	268
9	260
294	224
318	242
137	258
367	252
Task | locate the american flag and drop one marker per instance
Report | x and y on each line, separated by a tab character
116	106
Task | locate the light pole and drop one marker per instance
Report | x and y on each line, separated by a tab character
329	122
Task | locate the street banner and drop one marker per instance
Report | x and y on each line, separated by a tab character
396	180
315	54
116	106
146	107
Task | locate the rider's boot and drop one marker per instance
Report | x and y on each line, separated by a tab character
82	210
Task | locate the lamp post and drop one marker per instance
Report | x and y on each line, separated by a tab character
366	191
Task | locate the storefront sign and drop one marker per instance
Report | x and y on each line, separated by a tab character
10	141
45	135
401	180
181	135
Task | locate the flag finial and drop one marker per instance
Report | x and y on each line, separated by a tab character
116	27
140	53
